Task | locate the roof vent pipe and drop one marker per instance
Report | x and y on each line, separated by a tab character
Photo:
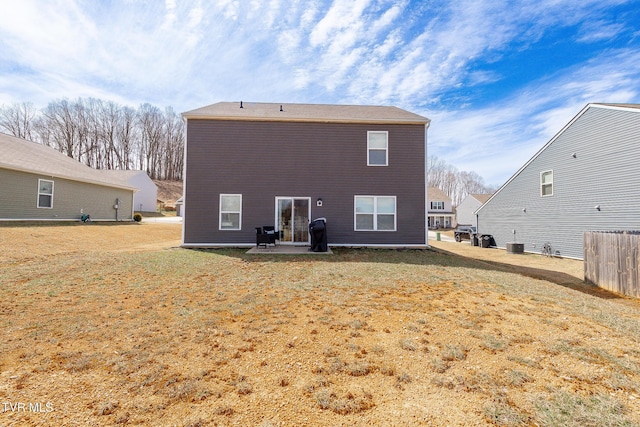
241	104
281	108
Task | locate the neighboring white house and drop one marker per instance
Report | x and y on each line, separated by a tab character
586	178
465	211
145	199
439	208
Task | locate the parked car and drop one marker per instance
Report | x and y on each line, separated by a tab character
464	232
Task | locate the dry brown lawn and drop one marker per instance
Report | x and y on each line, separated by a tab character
116	325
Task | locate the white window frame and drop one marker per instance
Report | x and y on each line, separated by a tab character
221	212
369	148
45	194
542	183
437	205
375	213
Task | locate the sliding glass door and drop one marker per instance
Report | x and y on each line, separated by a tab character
292	217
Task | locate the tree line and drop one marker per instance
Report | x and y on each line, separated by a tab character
103	134
454	183
106	135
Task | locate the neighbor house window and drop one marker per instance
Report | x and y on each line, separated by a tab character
45	193
377	148
546	183
375	213
437	205
230	211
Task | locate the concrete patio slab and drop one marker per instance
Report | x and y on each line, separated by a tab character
287	250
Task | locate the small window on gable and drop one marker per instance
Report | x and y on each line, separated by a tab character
45	194
437	205
546	183
377	148
230	212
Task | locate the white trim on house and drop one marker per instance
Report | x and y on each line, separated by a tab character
277	220
221	212
378	149
543	183
375	213
40	193
426	187
336	245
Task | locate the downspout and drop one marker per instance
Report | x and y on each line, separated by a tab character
426	186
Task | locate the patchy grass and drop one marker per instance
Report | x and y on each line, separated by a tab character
114	325
566	409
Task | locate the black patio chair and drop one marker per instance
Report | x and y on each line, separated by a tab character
266	235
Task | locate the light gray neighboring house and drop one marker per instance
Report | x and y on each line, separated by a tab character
586	178
439	208
465	212
146	198
40	183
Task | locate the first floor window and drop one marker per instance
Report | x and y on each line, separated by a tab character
375	213
45	193
230	211
546	183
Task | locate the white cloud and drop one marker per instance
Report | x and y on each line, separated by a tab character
341	17
599	30
170	16
417	55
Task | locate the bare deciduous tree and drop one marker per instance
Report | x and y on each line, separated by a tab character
103	134
18	119
455	184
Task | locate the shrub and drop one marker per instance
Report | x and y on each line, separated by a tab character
137	217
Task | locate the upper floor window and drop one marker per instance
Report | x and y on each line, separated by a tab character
375	213
377	148
546	183
230	212
437	205
45	193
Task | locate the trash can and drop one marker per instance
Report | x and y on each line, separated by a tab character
318	232
486	240
438	236
474	240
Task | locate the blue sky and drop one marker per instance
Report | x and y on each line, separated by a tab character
497	78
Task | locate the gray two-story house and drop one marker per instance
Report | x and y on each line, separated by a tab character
250	165
586	178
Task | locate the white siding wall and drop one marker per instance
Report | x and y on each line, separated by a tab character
146	197
464	212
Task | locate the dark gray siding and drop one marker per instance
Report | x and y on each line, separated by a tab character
19	194
605	171
262	160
